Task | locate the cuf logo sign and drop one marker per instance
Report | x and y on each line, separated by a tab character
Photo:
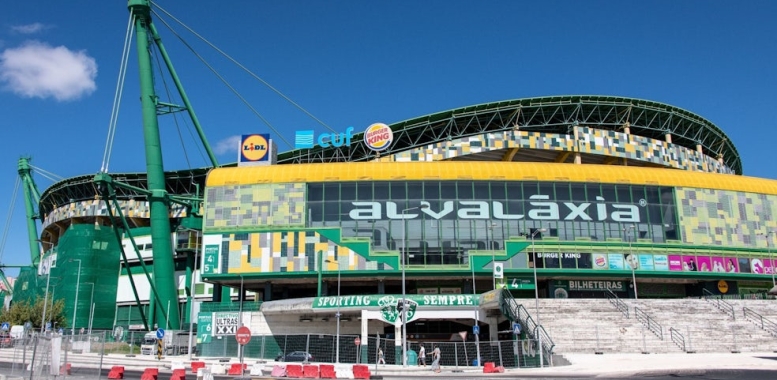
255	148
305	139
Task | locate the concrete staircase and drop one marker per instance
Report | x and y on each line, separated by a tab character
595	325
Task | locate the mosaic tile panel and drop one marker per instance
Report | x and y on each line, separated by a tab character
590	140
726	218
291	251
255	205
130	209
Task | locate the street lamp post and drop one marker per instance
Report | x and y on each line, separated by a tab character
536	290
477	312
46	296
404	303
91	307
191	287
769	253
493	257
337	316
45	301
78	284
632	260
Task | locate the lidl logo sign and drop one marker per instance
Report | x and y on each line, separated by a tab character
255	148
378	137
305	139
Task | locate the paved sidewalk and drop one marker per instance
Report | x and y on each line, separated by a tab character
582	365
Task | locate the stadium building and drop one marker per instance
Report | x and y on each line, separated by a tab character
594	192
552	197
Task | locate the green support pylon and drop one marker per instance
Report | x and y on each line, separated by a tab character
166	314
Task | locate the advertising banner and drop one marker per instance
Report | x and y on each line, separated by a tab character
646	262
704	263
204	327
225	323
661	262
616	261
675	263
210	259
600	261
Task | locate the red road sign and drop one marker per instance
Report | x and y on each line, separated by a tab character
357	341
243	335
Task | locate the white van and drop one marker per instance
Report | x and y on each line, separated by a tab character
17	332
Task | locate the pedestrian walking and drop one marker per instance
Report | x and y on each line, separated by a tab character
422	356
436	359
381	360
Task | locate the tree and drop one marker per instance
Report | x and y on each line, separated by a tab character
22	311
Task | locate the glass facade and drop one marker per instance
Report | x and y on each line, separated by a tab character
460	216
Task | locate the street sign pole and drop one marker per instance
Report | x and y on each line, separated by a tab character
243	336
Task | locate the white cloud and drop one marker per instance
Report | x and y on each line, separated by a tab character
227	145
29	28
37	70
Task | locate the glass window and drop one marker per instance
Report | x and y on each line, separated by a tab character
415	190
381	191
578	192
530	188
514	190
608	192
568	260
465	190
592	191
431	190
624	194
562	192
364	190
332	211
498	191
332	192
315	192
546	189
481	191
398	191
448	190
348	191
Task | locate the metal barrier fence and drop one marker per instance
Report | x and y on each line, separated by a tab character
321	348
45	356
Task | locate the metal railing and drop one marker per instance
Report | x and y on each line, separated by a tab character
517	313
649	322
677	338
760	321
719	303
620	305
321	349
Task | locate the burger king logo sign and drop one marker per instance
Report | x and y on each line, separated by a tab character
378	137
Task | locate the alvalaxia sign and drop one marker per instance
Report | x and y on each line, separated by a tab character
540	208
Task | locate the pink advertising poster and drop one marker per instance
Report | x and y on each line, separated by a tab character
675	263
768	266
731	265
689	264
718	264
704	263
757	266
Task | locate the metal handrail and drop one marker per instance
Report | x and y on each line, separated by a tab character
517	312
620	305
650	323
719	303
677	338
760	321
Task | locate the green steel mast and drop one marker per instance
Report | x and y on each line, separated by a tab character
164	305
31	198
165	315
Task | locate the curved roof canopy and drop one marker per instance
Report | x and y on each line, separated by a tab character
556	114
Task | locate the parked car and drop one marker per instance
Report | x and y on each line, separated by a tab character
296	356
6	340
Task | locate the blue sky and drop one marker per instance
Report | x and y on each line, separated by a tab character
353	63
